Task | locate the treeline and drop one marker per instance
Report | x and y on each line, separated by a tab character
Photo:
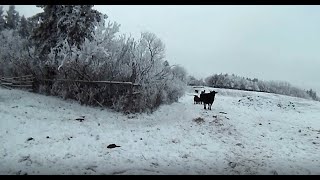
248	84
76	42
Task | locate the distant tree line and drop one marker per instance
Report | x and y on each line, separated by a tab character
241	83
77	42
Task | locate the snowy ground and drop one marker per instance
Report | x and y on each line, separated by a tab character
244	133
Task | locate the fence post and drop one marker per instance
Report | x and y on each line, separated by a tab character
132	79
49	75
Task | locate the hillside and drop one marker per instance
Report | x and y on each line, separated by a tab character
244	133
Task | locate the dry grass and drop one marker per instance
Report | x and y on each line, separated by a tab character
199	120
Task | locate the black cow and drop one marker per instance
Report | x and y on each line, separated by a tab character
208	98
196	99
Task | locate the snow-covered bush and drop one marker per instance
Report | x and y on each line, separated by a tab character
16	55
116	58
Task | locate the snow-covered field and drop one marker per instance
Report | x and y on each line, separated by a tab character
244	133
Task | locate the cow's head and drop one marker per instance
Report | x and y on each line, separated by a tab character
213	92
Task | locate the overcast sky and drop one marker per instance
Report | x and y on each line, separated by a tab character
264	42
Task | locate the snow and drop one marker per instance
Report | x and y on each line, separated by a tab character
244	133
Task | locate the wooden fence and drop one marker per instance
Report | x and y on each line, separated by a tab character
21	81
27	81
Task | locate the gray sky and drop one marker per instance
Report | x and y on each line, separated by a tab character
266	42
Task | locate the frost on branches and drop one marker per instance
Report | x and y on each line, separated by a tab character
117	58
16	55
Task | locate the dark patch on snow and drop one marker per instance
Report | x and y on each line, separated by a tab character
155	164
185	156
232	164
175	141
92	168
110	146
198	120
118	172
24	158
80	119
30	138
239	144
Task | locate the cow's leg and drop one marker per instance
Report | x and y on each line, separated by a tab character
209	106
204	106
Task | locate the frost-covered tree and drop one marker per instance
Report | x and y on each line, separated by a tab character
34	22
191	80
152	71
58	23
12	18
16	57
177	84
23	28
242	83
17	53
2	20
117	58
180	73
149	53
312	94
92	54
